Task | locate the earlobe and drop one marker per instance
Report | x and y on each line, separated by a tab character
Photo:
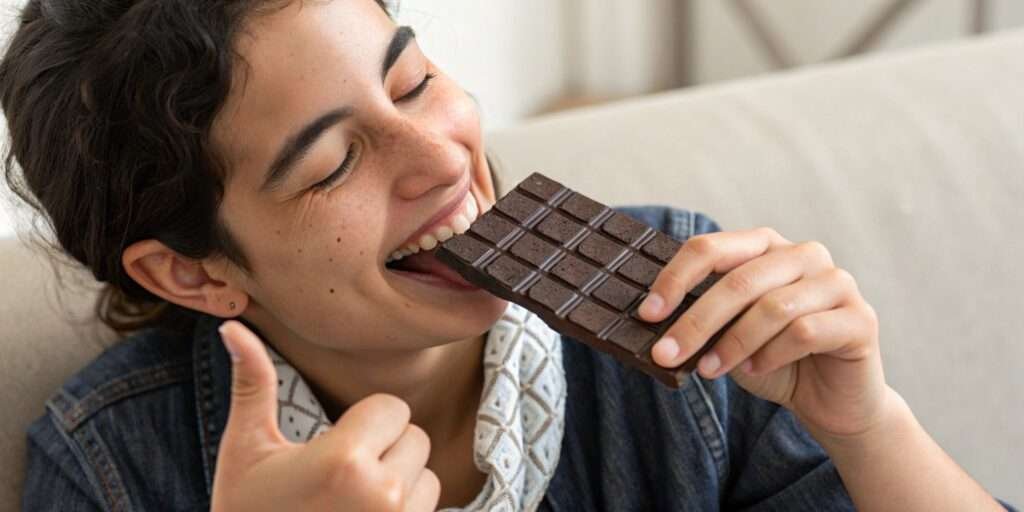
180	280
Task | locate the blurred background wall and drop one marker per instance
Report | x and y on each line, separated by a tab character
522	58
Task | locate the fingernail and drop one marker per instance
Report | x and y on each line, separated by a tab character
227	343
652	305
710	363
668	347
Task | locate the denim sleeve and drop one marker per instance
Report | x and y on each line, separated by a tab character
53	478
774	463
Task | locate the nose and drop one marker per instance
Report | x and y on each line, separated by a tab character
424	158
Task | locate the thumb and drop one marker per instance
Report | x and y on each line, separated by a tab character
253	413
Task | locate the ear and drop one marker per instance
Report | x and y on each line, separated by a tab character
182	281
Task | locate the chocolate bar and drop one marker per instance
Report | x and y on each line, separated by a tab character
581	266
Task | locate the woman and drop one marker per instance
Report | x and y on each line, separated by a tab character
288	165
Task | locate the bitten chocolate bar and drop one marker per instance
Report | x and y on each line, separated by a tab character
581	266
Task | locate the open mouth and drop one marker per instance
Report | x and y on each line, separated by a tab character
417	259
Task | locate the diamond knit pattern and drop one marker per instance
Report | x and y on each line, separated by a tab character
519	424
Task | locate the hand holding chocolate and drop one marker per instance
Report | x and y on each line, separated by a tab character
581	266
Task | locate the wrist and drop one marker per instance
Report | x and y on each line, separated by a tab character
894	420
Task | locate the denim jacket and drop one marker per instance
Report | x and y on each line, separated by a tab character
138	429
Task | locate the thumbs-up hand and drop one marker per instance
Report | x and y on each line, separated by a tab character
371	459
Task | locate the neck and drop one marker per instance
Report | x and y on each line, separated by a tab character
442	384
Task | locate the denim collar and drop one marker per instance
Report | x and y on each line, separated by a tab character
212	384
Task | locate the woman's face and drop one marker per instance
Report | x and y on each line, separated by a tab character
411	148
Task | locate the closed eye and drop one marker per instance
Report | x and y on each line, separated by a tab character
342	169
415	93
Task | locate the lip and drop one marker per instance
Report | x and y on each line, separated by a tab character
438	217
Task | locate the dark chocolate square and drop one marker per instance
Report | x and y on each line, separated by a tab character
582	207
469	249
532	249
559	227
640	270
493	228
541	186
616	293
508	271
631	336
600	249
623	227
550	293
574	270
662	247
591	317
517	206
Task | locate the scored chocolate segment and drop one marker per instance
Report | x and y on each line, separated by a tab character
624	227
662	247
517	206
600	249
533	249
559	228
551	294
582	207
582	267
617	293
509	271
592	317
641	270
493	228
574	271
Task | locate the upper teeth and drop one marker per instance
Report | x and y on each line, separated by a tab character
454	225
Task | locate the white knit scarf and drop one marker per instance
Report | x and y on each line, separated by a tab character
519	424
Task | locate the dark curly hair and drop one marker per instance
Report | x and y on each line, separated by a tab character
109	105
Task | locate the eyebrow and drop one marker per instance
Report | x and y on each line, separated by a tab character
297	145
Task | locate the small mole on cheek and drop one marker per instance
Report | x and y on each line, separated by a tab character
300	251
339	239
332	290
278	231
330	260
360	253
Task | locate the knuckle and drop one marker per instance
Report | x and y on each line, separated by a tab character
768	232
843	277
432	482
671	279
691	322
803	331
392	493
702	245
815	250
739	283
418	435
778	308
871	315
737	341
394	406
344	469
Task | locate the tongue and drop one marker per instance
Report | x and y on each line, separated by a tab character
425	262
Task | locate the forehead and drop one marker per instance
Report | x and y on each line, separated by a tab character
296	63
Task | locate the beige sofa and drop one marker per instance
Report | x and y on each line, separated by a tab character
909	167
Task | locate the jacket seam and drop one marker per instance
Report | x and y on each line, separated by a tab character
98	456
73	413
710	426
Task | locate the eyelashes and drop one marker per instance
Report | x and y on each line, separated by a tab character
350	157
415	93
342	169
